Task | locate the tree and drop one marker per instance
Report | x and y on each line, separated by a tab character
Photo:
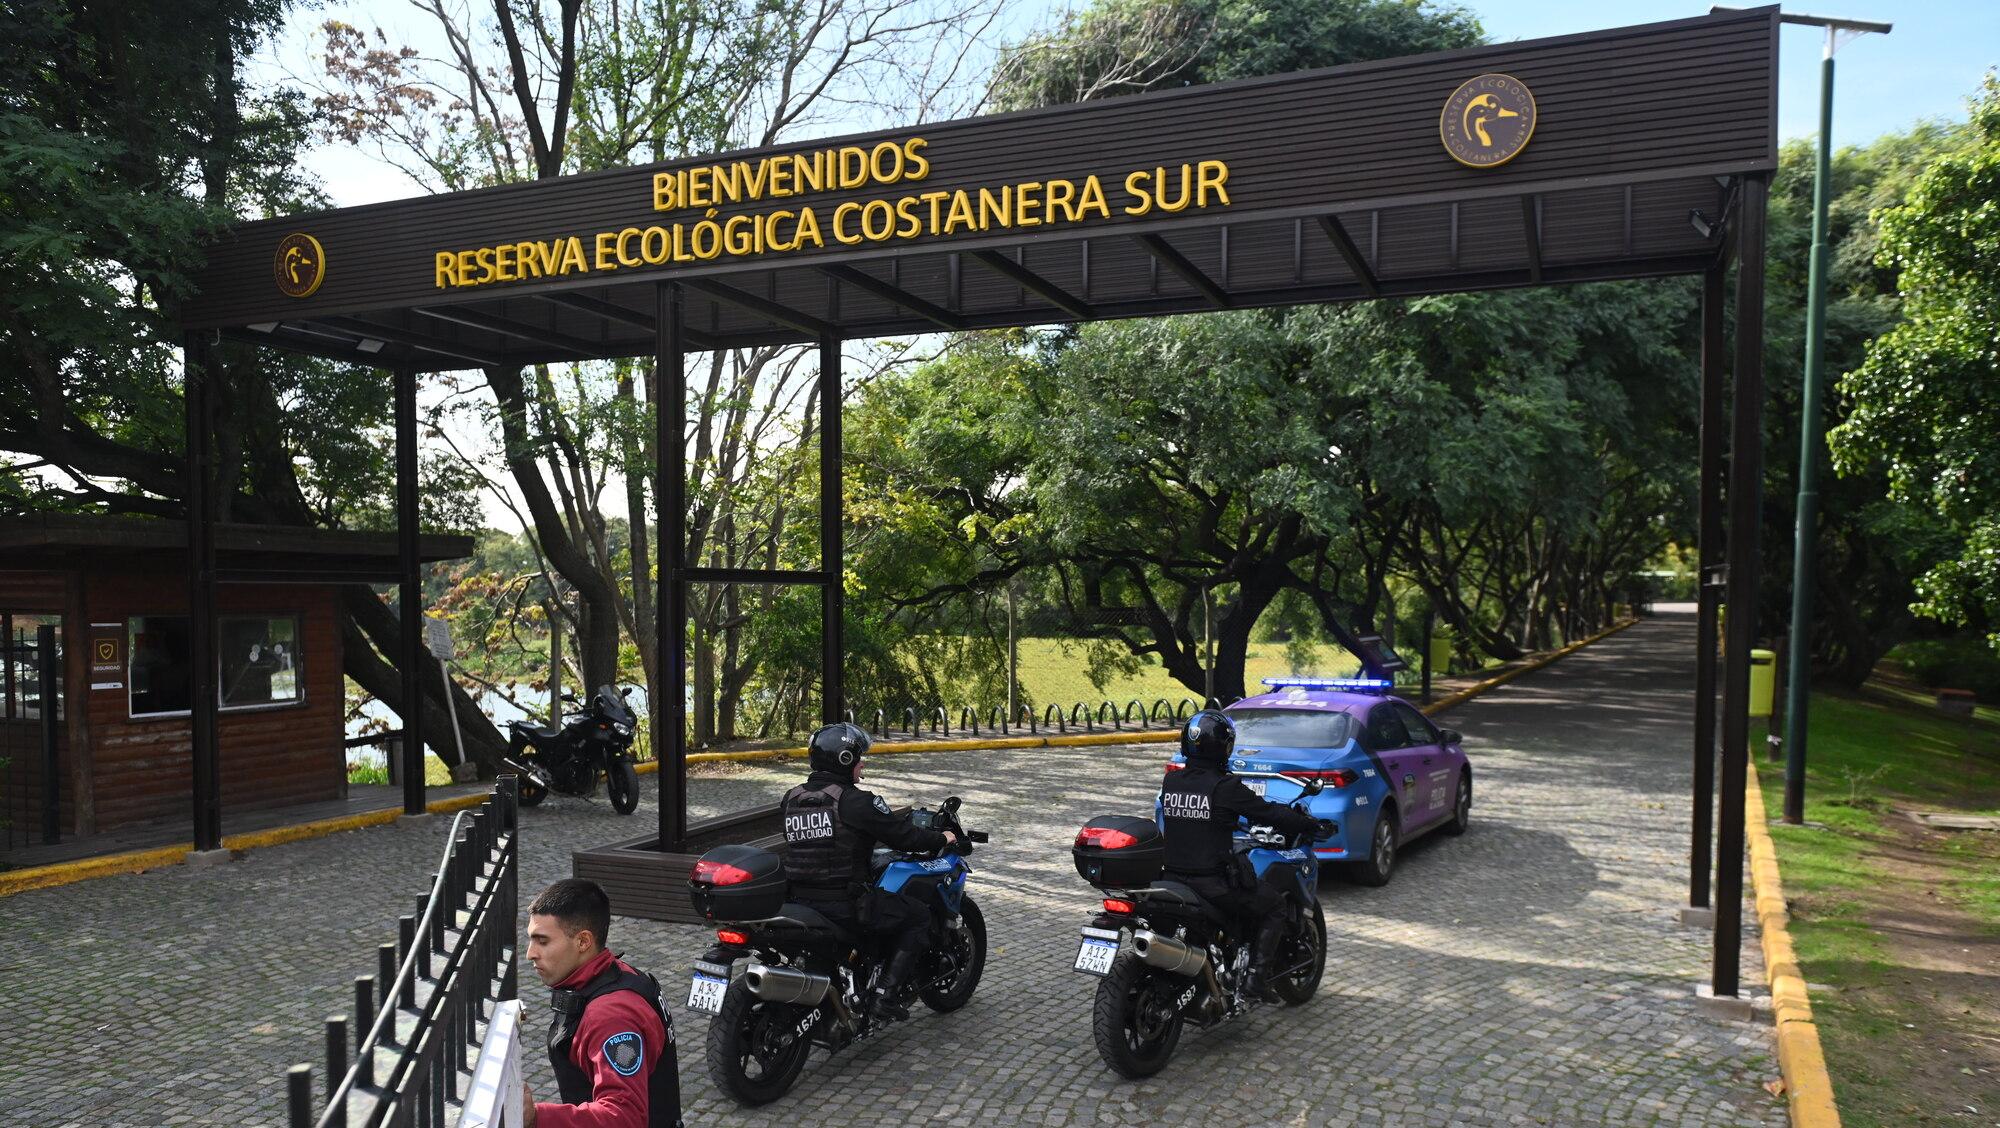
1926	401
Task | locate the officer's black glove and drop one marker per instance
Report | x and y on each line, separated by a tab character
1324	828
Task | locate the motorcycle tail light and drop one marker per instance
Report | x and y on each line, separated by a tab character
719	873
730	936
1114	905
1334	777
1104	838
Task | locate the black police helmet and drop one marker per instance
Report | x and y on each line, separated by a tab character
837	748
1208	739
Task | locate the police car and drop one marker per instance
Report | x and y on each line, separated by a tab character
1389	774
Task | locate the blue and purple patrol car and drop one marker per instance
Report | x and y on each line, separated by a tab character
1390	774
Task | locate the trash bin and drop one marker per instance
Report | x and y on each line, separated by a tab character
1441	645
1763	681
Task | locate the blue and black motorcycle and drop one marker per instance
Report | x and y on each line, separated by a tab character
1165	957
804	978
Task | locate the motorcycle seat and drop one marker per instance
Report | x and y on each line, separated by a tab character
1176	895
545	732
808	917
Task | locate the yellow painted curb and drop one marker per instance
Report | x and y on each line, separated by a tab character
63	873
139	861
1472	691
1808	1085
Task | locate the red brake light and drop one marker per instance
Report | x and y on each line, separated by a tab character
1334	777
739	939
1175	766
1104	838
719	873
1113	905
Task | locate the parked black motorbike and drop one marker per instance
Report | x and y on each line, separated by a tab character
592	743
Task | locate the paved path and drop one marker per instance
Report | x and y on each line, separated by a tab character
1527	973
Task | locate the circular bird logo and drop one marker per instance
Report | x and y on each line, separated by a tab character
1487	121
300	265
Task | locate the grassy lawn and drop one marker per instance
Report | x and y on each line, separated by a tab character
1876	904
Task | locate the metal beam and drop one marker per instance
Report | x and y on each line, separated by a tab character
1356	264
669	718
415	340
411	595
762	307
1531	223
896	295
612	311
1746	470
1190	273
492	323
1708	554
832	637
203	704
1036	284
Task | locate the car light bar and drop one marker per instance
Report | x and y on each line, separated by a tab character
1365	685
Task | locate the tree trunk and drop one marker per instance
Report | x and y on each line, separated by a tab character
368	625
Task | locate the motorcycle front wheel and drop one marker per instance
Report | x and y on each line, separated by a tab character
968	957
622	784
1137	1019
1304	949
754	1051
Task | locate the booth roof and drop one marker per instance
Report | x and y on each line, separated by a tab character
1338	186
271	553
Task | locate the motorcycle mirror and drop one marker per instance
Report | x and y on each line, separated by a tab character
625	692
569	697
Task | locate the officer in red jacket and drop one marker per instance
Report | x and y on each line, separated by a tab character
611	1043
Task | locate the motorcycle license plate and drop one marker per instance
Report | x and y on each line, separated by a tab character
1094	956
705	993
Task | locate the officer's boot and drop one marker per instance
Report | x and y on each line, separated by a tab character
887	1005
1258	984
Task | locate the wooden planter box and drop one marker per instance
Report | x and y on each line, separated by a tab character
644	881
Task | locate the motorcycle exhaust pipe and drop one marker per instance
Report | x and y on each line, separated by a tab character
1168	954
786	985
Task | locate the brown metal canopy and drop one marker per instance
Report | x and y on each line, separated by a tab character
1337	184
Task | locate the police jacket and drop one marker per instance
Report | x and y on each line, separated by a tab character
1199	806
831	826
612	1048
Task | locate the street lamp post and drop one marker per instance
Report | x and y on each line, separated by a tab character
1812	435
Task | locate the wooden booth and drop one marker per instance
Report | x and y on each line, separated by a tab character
115	590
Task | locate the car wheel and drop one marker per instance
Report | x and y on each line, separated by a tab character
1461	808
1380	864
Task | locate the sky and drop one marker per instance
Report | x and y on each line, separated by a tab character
1925	68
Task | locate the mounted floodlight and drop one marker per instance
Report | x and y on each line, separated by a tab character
1701	223
1357	685
369	345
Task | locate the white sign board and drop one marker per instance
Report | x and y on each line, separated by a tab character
437	638
494	1100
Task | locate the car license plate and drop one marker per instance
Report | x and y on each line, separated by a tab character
1256	787
1094	956
705	993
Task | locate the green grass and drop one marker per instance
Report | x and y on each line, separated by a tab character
1864	758
436	772
1052	672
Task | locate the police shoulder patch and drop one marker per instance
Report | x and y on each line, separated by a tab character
881	805
625	1052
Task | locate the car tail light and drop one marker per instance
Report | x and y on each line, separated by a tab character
1104	838
1334	777
1175	766
719	873
1114	905
732	937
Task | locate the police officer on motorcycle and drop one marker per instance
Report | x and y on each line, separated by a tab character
831	827
1200	805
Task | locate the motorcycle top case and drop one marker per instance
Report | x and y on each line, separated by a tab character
1119	851
738	883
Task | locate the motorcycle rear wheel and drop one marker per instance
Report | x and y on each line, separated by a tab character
529	789
744	1057
622	784
1135	1021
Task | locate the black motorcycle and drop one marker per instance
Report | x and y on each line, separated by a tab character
592	742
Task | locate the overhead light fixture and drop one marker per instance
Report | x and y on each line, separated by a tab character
262	326
369	345
1701	223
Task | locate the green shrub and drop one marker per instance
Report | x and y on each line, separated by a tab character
1958	663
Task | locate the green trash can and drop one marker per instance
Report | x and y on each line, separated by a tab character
1763	681
1441	646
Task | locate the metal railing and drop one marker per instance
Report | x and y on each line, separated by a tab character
1105	716
419	1020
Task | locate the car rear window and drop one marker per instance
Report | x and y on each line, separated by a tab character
1289	728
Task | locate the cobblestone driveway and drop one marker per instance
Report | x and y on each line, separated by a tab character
1527	973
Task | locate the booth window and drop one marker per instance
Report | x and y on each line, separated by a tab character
260	660
257	658
20	666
